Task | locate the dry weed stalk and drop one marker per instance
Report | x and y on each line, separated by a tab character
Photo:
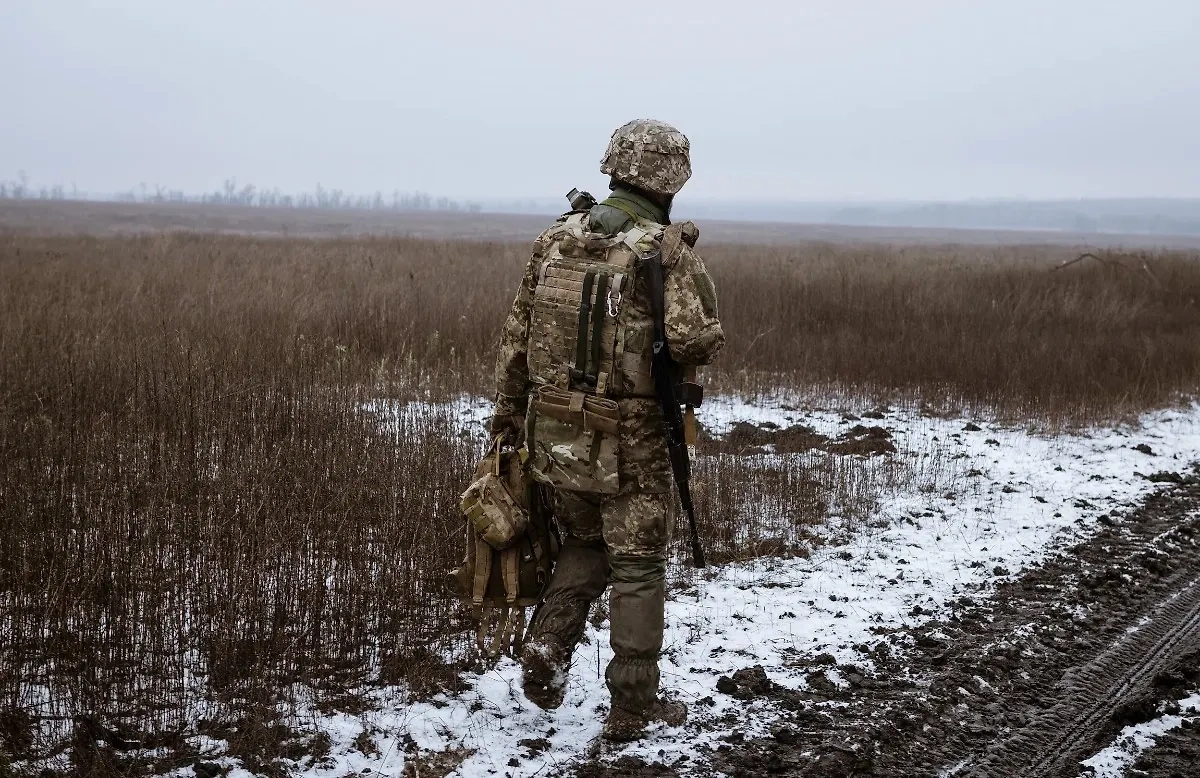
200	504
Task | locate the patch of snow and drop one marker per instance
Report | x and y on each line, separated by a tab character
1016	497
467	413
1143	621
1113	761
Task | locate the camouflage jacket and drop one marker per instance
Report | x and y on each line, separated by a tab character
694	333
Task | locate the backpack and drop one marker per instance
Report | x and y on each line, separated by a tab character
510	547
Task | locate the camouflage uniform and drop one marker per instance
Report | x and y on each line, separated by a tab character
620	538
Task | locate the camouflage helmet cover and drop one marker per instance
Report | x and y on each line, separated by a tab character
650	154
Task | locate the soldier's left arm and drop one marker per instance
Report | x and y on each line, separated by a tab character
512	369
694	334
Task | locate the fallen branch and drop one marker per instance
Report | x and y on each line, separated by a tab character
1090	255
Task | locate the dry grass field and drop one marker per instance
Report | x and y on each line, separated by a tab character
98	217
203	509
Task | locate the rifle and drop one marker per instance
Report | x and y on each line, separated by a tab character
667	373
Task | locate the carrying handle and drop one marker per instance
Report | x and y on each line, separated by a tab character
494	453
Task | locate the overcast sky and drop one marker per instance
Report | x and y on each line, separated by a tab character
800	99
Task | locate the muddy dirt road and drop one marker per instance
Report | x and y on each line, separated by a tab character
1029	682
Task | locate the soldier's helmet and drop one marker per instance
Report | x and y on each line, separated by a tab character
650	154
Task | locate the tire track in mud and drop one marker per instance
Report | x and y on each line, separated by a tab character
1023	682
1055	742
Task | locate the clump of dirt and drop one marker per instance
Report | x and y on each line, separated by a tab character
864	441
1174	684
534	745
1174	755
436	762
746	684
746	438
751	683
1182	680
625	767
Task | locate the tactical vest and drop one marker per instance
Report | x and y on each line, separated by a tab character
591	335
587	331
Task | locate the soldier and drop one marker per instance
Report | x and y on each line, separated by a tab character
573	379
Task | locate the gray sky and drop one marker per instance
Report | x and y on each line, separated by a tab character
809	99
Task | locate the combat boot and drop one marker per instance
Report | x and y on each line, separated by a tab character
545	664
623	726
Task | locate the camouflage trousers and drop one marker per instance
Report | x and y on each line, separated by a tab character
619	539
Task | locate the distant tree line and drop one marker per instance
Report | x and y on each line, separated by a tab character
22	190
232	193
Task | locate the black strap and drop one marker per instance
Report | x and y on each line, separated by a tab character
585	307
597	327
654	277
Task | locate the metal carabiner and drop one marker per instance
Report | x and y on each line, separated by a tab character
613	305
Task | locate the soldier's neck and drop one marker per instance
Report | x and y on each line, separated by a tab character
635	205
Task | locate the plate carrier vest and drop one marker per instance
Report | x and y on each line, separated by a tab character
591	338
588	331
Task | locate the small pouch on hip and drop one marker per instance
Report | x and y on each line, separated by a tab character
574	441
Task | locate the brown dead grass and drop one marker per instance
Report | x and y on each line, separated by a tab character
997	329
200	501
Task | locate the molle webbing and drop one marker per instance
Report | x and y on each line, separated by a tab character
572	345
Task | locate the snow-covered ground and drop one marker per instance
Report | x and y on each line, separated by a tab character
1012	498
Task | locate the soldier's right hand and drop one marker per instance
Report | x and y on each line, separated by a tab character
511	429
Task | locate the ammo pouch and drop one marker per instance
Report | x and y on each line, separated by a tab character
509	554
572	438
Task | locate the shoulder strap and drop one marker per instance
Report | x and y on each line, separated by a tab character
574	224
631	237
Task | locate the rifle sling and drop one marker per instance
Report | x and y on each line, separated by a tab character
654	273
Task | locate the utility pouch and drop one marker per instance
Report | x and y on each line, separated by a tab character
496	503
509	552
573	441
